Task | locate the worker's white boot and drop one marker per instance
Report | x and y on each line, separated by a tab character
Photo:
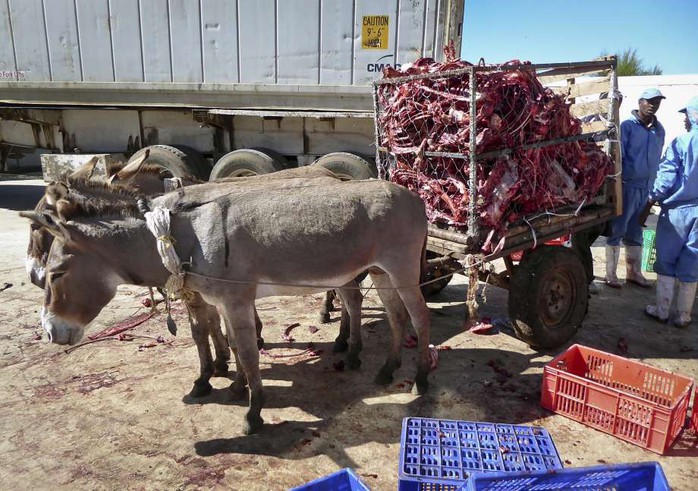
685	295
665	293
633	266
612	255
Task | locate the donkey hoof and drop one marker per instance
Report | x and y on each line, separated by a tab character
253	424
384	377
260	342
324	318
352	363
340	346
220	369
201	389
238	391
421	386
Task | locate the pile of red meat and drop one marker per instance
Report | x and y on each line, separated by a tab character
513	109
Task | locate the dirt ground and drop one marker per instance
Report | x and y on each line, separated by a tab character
116	415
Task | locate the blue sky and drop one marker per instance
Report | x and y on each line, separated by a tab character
664	32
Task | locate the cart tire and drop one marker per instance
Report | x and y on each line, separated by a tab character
548	296
348	166
170	158
437	286
247	162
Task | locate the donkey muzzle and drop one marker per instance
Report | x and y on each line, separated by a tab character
60	331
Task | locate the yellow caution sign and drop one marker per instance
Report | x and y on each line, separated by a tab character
374	31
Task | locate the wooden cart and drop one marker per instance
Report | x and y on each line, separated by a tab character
548	289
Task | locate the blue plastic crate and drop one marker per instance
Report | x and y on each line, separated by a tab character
440	454
646	476
342	480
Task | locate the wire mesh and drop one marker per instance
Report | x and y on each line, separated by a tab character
488	157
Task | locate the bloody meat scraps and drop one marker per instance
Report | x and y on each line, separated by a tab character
513	110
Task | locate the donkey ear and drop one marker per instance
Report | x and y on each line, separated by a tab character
86	170
48	221
65	209
132	168
55	192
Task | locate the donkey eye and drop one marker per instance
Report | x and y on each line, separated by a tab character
55	276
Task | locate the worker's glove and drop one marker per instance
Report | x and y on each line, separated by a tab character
645	213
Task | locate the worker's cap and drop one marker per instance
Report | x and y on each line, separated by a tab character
692	105
651	94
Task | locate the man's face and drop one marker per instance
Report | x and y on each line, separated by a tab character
686	122
648	107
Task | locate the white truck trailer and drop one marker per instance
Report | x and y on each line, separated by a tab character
280	82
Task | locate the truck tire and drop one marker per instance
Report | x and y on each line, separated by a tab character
170	158
202	165
348	166
436	286
247	162
548	296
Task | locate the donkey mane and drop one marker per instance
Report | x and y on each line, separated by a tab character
151	169
91	198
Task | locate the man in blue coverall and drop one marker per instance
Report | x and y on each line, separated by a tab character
676	190
642	139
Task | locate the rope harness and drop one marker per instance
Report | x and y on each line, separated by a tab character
158	222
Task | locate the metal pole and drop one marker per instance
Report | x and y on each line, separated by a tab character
473	231
376	134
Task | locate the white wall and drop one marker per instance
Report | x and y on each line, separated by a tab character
677	89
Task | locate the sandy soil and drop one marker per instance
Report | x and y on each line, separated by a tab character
116	414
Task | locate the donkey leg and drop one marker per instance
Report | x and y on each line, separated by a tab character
198	320
397	318
240	322
341	342
327	306
351	302
419	314
258	328
220	343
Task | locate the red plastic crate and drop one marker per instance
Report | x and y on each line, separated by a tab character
628	399
694	415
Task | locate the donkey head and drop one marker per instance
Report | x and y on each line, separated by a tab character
78	282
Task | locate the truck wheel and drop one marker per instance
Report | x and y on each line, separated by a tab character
441	283
202	165
247	162
170	158
347	166
548	296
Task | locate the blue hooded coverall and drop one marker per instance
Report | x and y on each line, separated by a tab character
641	152
676	190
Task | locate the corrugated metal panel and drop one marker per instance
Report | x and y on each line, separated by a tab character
257	41
8	68
27	17
126	37
95	40
298	41
219	19
62	32
288	42
374	42
185	39
155	33
337	42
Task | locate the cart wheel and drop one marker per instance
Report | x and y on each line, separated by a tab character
437	286
548	296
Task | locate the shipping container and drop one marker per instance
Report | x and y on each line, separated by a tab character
207	76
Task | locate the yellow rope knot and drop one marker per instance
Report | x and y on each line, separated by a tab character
175	288
167	240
